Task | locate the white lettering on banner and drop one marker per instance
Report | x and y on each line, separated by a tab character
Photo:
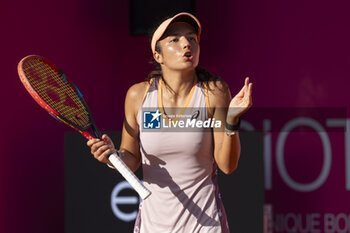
267	154
337	122
346	124
123	200
339	223
312	223
302	121
292	222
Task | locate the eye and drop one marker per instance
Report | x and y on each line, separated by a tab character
174	40
192	39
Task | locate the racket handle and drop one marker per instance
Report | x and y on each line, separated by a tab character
129	176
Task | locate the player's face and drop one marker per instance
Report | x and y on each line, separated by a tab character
179	47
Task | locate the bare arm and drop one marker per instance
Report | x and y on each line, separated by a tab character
227	148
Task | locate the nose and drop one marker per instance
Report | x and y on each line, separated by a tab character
186	43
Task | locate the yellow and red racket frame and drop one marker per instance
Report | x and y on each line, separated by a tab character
44	105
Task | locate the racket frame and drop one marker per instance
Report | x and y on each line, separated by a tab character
113	158
47	107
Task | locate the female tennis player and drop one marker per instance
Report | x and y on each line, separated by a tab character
180	167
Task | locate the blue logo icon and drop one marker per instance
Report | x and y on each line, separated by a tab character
151	119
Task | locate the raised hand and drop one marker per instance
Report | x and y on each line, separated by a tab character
240	103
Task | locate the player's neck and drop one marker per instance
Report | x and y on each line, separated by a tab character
179	84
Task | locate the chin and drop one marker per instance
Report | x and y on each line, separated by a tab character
189	68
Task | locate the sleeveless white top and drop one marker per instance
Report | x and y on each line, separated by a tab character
180	171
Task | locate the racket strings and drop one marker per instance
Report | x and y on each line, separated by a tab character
56	92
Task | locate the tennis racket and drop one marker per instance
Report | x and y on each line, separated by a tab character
54	92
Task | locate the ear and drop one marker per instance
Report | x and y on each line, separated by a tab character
158	57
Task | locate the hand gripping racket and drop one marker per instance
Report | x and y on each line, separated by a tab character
53	91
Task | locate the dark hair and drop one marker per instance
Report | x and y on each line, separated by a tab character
204	77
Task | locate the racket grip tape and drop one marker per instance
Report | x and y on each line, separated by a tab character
129	176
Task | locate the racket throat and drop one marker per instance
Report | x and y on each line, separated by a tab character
96	131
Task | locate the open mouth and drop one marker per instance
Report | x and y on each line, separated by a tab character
188	56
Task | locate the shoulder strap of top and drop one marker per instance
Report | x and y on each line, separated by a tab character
206	94
146	91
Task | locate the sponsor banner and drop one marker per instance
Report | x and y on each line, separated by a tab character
307	171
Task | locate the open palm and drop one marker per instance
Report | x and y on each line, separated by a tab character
241	102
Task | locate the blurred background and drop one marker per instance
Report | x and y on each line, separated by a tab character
297	54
